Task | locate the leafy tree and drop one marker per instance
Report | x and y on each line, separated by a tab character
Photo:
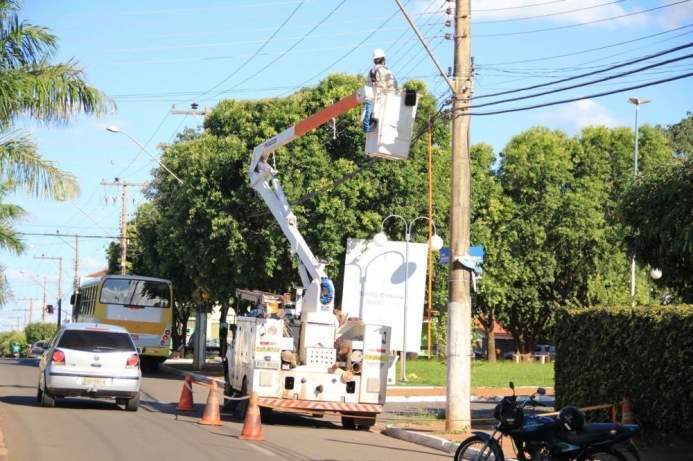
9	338
681	136
31	86
659	207
39	331
214	229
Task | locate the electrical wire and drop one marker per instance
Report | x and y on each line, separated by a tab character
559	13
595	95
589	50
571	26
292	47
348	53
253	56
517	7
587	74
571	87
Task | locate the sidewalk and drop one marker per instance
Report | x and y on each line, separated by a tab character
395	394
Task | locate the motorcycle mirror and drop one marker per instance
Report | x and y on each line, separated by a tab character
512	385
541	391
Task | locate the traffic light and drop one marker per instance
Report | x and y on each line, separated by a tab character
49	308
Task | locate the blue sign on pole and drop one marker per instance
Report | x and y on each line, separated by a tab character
476	256
444	258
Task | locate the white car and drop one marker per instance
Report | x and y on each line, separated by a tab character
90	360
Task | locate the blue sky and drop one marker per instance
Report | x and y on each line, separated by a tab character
149	56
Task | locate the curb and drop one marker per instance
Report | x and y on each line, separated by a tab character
195	376
430	441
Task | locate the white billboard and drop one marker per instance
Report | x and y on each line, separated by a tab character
374	287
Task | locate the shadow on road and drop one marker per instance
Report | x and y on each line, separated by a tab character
388	447
73	402
26	362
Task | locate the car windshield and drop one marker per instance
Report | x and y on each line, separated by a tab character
96	341
141	293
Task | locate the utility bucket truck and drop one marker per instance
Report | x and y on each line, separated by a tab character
294	353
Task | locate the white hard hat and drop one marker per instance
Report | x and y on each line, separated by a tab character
378	53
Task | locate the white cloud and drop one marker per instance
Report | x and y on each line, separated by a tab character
590	10
676	16
579	114
91	264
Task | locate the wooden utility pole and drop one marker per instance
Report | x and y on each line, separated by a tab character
123	218
75	283
458	411
43	307
60	283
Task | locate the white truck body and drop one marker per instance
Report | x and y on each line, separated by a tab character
256	361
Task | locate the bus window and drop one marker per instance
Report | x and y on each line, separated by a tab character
151	294
115	291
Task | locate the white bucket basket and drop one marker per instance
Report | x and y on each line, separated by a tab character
395	112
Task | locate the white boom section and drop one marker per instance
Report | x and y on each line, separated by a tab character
263	178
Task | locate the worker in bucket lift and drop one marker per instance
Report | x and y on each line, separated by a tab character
381	79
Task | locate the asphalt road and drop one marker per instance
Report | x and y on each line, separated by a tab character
84	429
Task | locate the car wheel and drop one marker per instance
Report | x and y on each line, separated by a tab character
47	400
133	403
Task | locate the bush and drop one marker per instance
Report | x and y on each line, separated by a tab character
6	340
39	331
643	353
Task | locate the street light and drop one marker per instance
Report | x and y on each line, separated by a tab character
436	243
115	129
637	102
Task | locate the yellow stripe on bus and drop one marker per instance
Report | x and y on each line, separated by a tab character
140	327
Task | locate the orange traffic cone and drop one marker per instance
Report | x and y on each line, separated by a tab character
211	415
626	412
186	398
252	427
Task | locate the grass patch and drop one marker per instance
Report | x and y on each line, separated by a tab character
484	374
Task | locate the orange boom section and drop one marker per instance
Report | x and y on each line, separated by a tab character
328	113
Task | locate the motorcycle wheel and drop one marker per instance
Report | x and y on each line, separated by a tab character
471	450
611	455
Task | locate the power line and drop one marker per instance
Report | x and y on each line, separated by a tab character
589	50
262	47
570	26
296	43
517	7
587	74
59	235
348	53
559	13
596	95
603	79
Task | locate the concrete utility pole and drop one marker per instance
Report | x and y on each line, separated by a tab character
458	411
75	283
60	282
123	218
43	308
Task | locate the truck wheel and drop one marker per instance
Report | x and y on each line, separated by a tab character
348	423
266	414
242	405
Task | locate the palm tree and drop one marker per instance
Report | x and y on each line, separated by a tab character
31	86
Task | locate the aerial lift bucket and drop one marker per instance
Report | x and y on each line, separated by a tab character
395	112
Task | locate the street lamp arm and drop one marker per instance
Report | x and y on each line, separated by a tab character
144	149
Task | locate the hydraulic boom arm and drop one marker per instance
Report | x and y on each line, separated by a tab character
319	291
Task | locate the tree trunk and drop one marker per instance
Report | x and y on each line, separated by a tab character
491	344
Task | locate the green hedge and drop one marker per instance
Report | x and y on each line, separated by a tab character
644	353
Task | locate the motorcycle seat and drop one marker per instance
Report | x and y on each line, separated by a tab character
594	433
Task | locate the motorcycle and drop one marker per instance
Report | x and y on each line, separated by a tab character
542	438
